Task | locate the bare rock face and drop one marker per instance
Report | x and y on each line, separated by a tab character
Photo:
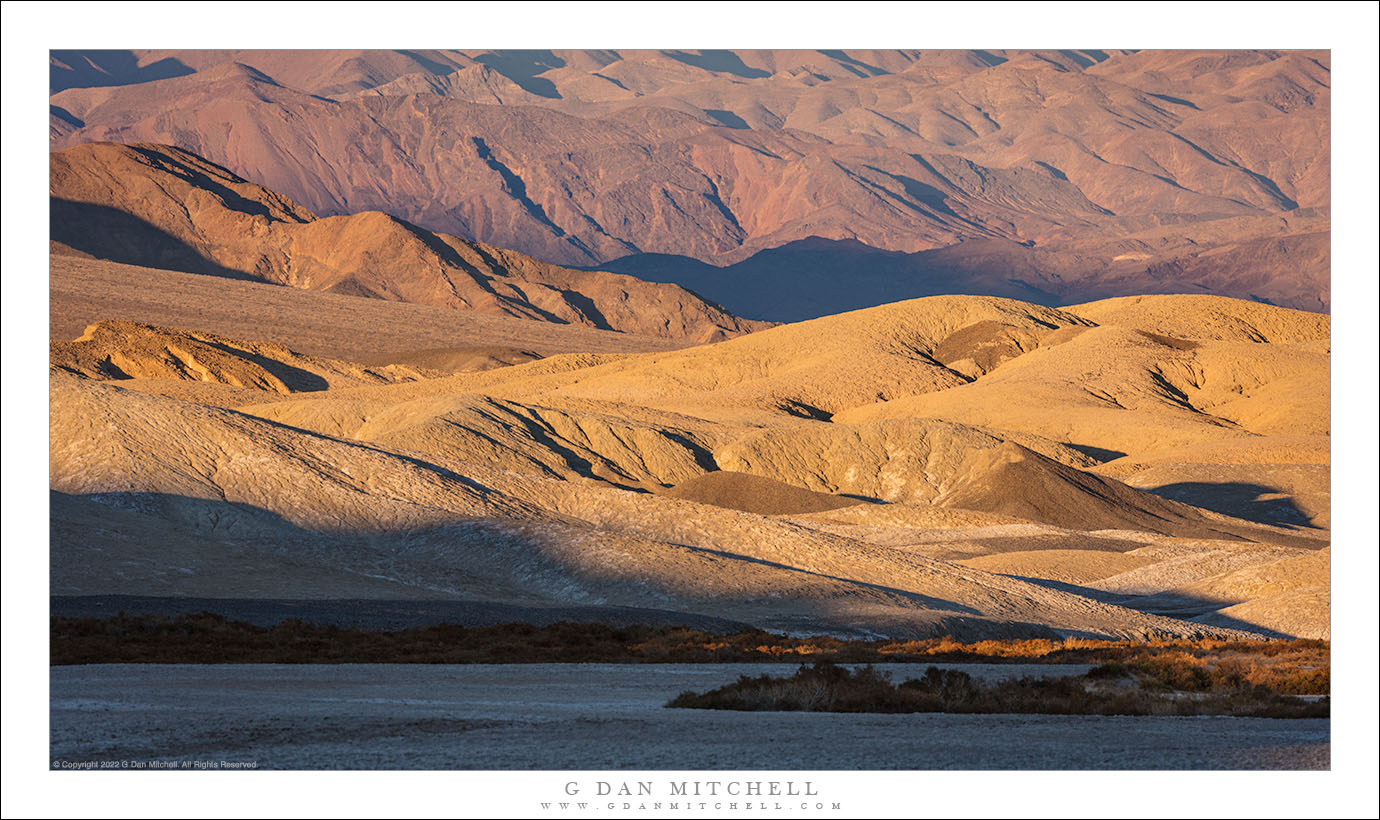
1054	176
164	207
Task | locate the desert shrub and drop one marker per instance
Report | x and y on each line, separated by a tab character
1109	670
821	687
825	687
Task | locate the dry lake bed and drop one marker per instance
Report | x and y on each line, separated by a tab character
596	716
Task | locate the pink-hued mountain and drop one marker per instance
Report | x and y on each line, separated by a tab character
1065	175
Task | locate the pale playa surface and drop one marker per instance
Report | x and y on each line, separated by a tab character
599	716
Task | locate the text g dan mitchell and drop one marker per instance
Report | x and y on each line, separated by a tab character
693	788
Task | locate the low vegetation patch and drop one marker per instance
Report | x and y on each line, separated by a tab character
1112	689
1288	667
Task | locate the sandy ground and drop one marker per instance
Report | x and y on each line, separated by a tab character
598	716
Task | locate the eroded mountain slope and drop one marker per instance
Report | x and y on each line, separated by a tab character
158	206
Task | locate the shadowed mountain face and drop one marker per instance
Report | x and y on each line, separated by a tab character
809	278
158	206
1065	175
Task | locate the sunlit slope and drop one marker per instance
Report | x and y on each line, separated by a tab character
500	536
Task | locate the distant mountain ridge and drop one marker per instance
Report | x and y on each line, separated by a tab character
1283	262
1118	172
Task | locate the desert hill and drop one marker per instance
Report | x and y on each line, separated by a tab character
756	494
1050	176
1203	317
162	207
1222	379
750	405
911	461
818	368
490	534
457	429
1285	592
755	478
947	465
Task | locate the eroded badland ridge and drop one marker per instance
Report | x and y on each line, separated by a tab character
317	372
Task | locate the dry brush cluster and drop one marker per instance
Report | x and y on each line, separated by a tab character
1111	689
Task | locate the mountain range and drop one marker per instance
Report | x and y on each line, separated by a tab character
1053	177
